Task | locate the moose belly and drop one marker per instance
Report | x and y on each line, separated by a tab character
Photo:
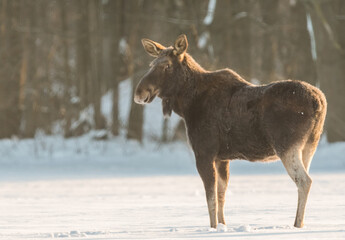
249	157
266	159
258	151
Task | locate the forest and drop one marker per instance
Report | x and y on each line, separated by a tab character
59	57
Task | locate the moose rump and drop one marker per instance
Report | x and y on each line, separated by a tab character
262	122
229	118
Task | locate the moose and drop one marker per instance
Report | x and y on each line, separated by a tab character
228	118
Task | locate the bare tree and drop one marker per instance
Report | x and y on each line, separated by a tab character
136	116
269	12
58	58
67	111
116	25
28	80
10	67
95	27
295	53
83	53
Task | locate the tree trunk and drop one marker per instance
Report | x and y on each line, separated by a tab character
67	71
232	47
164	137
83	54
295	52
96	40
10	55
116	16
29	79
269	12
136	116
240	38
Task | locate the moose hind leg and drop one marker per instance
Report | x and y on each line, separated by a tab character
222	184
207	172
292	161
307	155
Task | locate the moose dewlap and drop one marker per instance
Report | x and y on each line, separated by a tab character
229	118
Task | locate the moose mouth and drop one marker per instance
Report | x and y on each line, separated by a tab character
145	100
149	98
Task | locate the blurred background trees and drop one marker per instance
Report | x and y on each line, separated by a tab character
59	57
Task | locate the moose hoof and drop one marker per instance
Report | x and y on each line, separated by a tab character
299	224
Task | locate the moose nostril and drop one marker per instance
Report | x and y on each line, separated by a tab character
142	97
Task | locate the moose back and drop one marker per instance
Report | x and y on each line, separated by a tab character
229	118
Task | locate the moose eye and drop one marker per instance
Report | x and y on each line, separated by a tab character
166	67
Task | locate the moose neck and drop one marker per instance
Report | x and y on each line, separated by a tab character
195	82
192	85
192	66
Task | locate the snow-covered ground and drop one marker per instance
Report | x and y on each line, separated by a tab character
168	207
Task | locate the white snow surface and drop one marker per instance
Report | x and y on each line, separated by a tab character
168	207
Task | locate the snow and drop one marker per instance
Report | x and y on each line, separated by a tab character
85	115
203	40
222	228
310	29
168	207
123	46
210	12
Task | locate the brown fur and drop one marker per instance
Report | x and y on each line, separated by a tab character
229	118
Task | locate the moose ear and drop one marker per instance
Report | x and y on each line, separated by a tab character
151	47
181	44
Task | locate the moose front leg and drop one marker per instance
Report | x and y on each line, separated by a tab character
208	174
222	185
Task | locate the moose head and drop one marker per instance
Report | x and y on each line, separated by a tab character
164	77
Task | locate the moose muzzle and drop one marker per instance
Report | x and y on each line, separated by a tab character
144	93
